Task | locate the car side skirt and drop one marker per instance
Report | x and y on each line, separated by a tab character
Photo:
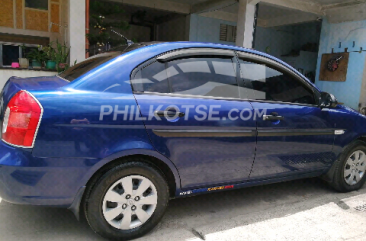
192	192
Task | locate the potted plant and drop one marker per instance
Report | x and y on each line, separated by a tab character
38	57
23	62
61	55
51	57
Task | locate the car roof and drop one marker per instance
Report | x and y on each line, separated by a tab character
183	44
187	44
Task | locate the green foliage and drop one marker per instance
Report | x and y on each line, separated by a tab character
36	54
50	52
100	11
55	52
62	52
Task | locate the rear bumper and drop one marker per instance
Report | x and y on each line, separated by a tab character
25	179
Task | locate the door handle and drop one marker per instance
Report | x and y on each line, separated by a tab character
168	113
272	117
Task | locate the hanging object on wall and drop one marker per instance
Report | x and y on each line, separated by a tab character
333	64
334	67
363	111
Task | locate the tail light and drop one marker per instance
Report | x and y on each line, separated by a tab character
21	120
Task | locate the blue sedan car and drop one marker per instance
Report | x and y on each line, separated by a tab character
118	135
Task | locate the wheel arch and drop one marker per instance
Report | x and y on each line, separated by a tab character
328	177
148	159
153	158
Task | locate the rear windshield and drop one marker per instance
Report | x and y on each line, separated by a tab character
79	69
82	68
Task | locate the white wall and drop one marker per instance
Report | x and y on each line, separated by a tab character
173	30
282	40
279	41
204	29
349	92
5	74
77	30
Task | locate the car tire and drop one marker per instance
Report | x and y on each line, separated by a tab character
349	172
102	202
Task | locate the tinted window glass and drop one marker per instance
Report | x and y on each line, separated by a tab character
82	68
151	78
264	83
38	4
203	76
10	54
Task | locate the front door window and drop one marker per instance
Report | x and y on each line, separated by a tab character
266	83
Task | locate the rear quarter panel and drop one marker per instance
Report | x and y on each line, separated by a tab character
71	125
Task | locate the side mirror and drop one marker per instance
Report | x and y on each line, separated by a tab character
327	100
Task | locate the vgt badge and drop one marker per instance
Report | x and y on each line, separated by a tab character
185	193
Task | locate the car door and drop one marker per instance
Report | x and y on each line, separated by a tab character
294	135
186	99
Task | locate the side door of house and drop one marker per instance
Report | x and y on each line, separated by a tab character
295	136
189	100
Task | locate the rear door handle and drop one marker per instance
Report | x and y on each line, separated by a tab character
168	113
272	118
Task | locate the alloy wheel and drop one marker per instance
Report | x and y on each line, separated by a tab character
130	202
355	167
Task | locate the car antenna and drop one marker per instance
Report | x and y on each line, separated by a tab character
129	42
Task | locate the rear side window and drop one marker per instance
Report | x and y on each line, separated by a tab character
262	82
83	67
151	78
199	76
204	77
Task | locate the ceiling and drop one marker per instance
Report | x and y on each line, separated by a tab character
266	11
269	14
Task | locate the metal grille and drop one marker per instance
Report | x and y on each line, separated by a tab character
223	32
361	208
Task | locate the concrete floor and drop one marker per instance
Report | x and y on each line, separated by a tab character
298	210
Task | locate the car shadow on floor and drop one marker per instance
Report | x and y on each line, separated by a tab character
183	215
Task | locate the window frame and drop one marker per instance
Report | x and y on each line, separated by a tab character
235	56
16	45
281	68
38	9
